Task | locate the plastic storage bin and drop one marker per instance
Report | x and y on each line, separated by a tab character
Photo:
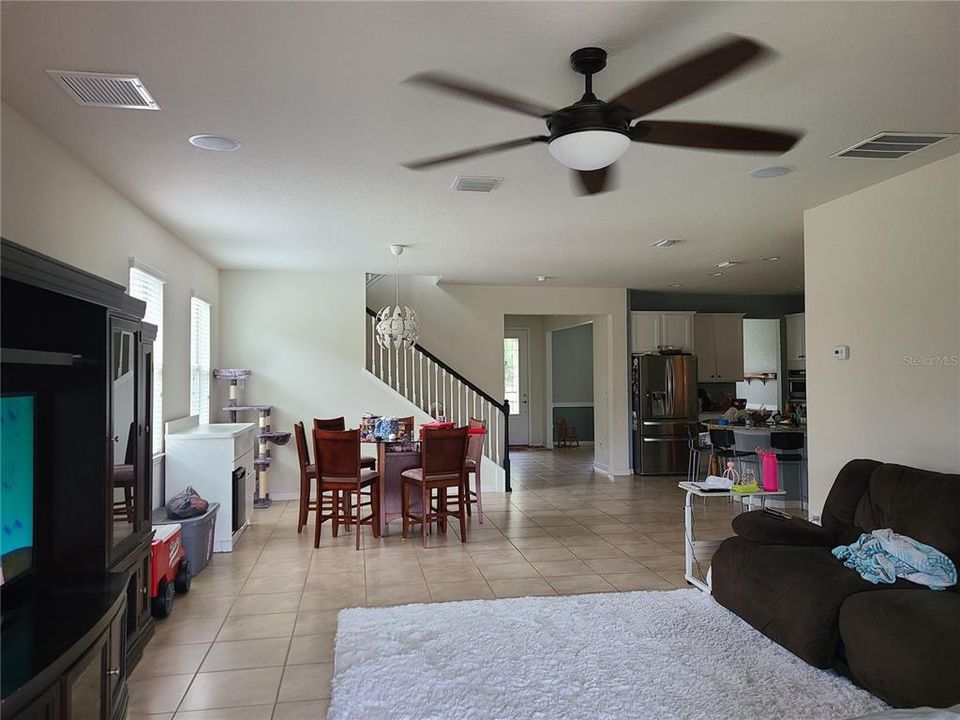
197	534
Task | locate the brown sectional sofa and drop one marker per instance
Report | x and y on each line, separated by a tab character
900	641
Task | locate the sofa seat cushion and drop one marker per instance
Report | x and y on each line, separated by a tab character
904	645
759	527
791	594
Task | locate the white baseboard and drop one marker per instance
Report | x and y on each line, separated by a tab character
285	496
616	472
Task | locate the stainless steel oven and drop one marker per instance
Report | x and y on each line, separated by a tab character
797	386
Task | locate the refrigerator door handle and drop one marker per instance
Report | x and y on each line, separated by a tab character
664	439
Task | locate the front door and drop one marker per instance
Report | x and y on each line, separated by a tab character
516	376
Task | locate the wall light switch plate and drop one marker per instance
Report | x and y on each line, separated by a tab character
841	352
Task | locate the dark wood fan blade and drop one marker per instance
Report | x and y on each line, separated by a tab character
472	152
714	136
592	182
689	75
473	91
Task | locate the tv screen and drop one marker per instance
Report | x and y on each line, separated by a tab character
17	459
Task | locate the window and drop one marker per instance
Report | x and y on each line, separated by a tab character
147	285
511	373
200	359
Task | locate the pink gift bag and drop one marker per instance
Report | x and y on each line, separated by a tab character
768	470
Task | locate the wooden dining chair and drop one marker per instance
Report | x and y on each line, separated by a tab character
308	474
475	443
407	423
339	423
444	455
337	455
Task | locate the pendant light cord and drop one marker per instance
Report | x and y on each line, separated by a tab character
397	283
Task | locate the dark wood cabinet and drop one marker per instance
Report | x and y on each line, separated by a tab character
77	623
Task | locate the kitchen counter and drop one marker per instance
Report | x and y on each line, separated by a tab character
757	429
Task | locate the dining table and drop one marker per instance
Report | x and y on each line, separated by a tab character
393	458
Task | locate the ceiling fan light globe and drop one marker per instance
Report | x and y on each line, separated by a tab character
589	149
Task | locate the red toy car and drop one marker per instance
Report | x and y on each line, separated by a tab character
169	569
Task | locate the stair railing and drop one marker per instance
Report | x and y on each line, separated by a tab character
437	389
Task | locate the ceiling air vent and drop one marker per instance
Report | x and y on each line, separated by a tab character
892	145
104	90
474	183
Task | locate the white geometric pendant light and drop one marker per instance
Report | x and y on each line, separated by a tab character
397	326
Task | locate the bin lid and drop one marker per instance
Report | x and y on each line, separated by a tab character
160	516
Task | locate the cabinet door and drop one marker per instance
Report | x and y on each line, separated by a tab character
796	340
728	334
116	657
85	688
676	329
646	331
704	337
125	481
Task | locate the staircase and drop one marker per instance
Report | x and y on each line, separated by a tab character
436	388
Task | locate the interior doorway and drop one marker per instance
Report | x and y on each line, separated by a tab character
550	371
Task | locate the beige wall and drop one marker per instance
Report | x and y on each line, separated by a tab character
883	276
306	353
463	325
55	205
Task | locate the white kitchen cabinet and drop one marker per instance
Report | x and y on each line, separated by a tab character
653	330
719	344
645	330
676	330
796	341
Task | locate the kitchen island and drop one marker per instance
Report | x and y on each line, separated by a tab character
793	476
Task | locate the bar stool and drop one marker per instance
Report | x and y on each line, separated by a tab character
785	444
696	447
724	446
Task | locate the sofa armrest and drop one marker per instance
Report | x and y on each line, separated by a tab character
759	527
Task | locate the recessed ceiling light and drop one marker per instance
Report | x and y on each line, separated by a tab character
771	171
664	242
772	258
728	263
544	278
214	142
716	274
675	285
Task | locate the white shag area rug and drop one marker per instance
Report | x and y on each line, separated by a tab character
656	655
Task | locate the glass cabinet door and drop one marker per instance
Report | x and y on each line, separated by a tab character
125	485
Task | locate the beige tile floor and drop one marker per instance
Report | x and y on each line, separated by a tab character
253	640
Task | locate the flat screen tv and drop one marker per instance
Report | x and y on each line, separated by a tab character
17	474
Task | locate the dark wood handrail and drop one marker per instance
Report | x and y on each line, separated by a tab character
501	406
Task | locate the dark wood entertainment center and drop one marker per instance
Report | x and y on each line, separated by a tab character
77	622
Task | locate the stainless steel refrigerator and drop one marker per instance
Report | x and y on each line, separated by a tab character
664	403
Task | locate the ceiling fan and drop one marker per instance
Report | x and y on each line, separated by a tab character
591	135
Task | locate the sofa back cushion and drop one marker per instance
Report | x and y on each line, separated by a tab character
921	504
841	504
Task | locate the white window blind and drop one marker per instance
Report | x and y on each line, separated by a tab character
148	287
200	359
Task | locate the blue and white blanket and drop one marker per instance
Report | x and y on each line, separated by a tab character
882	556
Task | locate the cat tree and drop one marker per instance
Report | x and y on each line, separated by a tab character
265	436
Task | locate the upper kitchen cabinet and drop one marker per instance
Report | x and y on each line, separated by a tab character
719	341
655	330
796	341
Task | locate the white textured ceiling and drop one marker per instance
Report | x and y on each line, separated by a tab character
313	92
